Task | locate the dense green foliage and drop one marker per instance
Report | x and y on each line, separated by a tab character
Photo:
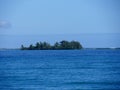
63	45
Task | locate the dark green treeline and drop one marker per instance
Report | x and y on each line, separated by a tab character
62	45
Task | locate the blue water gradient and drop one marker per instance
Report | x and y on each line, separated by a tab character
60	70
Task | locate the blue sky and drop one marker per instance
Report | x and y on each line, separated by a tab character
95	23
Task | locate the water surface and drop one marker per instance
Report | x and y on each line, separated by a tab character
60	70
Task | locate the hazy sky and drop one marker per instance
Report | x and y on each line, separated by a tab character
30	18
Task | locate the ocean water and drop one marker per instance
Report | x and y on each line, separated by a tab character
60	70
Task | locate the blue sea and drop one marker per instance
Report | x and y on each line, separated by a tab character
60	69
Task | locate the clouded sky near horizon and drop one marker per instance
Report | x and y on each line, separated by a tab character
36	17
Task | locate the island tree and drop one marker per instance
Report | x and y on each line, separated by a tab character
62	45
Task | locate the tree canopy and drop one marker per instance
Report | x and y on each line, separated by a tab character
62	45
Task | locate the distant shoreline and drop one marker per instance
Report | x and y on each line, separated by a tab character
67	49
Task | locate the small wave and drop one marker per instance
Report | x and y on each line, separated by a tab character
98	83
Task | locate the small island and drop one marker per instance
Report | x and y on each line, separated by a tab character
62	45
